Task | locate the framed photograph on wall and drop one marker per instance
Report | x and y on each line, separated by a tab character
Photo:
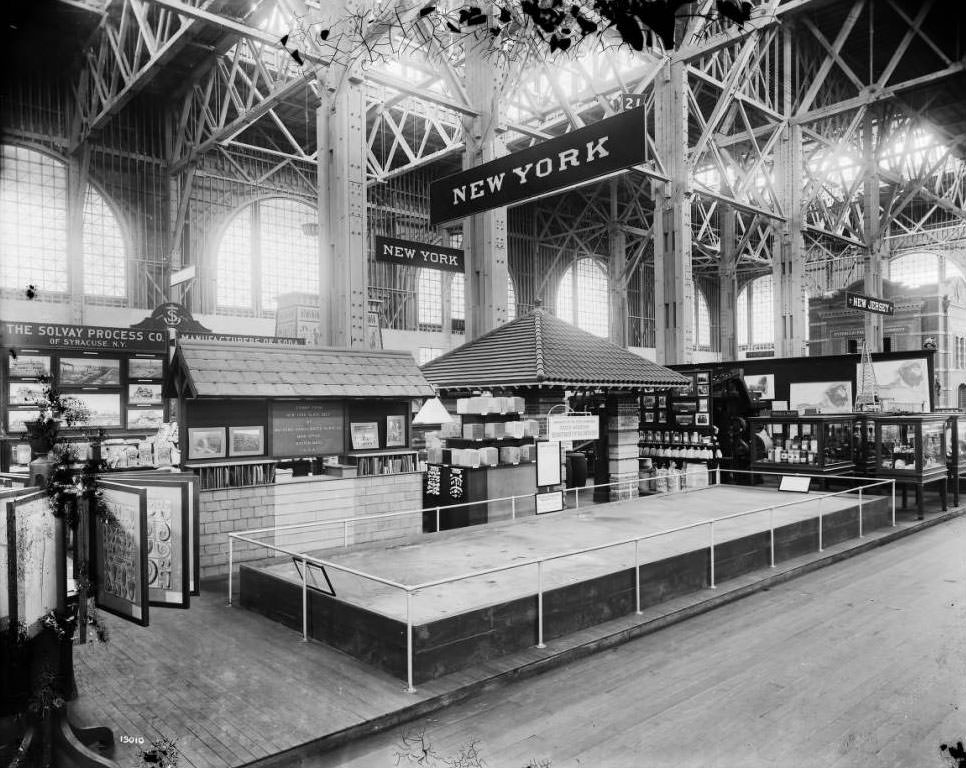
649	401
29	366
648	417
662	401
100	410
702	419
145	418
703	377
763	383
365	435
206	443
25	392
395	431
89	371
246	441
662	417
704	390
145	368
703	404
144	394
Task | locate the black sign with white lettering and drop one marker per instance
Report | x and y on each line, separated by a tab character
575	158
413	254
869	304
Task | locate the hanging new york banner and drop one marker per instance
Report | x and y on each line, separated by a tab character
410	253
575	158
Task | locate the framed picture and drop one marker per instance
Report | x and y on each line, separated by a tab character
703	404
144	394
688	389
31	542
684	419
246	441
823	396
661	417
684	406
662	401
704	390
702	419
763	384
89	371
30	366
649	401
101	410
145	368
365	435
145	418
395	431
703	377
206	443
648	417
25	392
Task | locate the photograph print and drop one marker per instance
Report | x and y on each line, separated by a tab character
98	410
26	392
145	368
29	366
395	431
145	418
89	371
904	382
206	443
246	441
823	396
763	384
144	394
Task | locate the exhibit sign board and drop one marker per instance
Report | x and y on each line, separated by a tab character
597	150
795	483
869	304
573	427
121	553
548	463
34	335
307	429
410	253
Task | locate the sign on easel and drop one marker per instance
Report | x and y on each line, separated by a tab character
552	501
548	463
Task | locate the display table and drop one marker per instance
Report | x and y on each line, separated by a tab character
816	445
912	451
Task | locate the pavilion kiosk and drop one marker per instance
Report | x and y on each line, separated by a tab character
282	434
521	372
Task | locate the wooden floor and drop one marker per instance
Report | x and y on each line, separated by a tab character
231	686
859	664
506	544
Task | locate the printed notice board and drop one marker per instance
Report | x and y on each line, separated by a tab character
548	463
307	429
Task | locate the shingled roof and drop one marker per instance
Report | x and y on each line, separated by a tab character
539	349
226	369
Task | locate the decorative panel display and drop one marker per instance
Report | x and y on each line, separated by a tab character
31	555
121	553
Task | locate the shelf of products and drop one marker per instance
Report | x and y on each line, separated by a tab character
215	476
819	444
383	462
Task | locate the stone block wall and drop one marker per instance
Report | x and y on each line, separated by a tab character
311	501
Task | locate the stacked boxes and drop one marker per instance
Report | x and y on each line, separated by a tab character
622	449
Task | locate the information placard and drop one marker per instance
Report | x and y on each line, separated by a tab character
120	553
573	427
549	502
307	429
548	463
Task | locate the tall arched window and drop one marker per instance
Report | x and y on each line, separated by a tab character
702	320
917	269
755	312
582	297
33	229
265	251
511	299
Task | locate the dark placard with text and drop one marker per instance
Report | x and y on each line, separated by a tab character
575	158
869	304
80	337
307	429
409	253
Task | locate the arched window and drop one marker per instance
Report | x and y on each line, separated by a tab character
702	320
266	251
582	297
511	299
33	229
755	312
917	269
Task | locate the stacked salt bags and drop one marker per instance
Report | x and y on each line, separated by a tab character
623	453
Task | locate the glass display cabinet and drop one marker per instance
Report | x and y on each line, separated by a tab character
817	445
956	450
912	450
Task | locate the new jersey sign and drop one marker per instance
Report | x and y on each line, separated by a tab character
575	158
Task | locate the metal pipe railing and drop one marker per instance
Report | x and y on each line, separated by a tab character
539	562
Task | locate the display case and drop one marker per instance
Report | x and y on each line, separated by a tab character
911	446
956	449
821	445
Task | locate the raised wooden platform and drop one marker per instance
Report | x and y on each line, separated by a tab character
464	623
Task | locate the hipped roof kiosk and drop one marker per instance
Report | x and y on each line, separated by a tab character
282	434
549	367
